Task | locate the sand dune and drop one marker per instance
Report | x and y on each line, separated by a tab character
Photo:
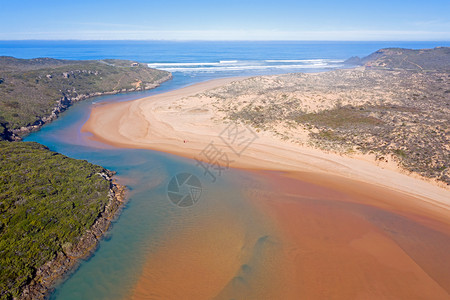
177	123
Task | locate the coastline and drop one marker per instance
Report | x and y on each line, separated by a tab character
47	276
339	226
65	102
180	124
65	262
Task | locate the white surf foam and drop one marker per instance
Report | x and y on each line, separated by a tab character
235	65
241	68
228	61
156	65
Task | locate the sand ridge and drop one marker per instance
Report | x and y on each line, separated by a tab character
178	123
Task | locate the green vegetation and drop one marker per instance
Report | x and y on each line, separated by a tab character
47	202
403	154
31	89
342	117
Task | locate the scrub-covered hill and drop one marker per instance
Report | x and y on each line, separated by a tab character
35	91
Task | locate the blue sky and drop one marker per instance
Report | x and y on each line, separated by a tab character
226	20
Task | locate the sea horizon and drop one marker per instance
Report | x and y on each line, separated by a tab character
196	61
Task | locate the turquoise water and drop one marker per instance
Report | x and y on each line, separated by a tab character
149	216
149	219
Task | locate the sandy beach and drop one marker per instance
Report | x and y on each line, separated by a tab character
177	123
351	228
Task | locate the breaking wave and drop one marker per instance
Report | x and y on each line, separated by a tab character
242	65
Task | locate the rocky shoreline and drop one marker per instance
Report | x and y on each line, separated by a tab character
66	261
65	102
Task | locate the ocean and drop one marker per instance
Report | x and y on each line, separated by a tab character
150	223
197	61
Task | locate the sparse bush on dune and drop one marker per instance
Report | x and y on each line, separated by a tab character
401	113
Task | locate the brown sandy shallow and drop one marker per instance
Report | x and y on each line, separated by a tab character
349	240
344	228
331	238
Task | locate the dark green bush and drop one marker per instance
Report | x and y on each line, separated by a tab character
46	200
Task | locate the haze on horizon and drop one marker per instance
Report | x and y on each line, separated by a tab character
227	20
